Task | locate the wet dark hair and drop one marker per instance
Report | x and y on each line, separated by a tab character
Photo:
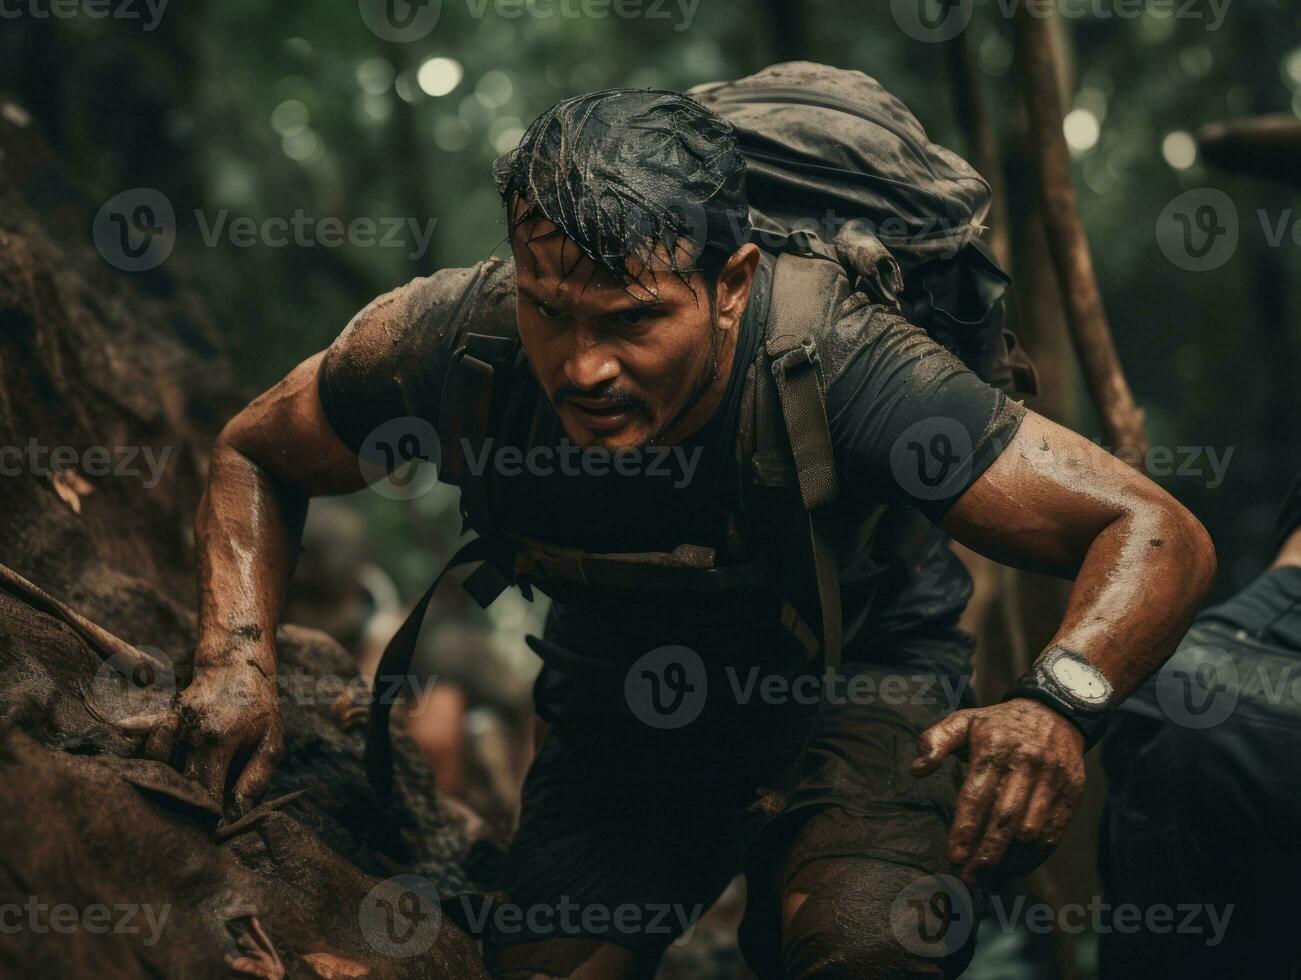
623	171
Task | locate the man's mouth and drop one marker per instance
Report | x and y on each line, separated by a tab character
600	416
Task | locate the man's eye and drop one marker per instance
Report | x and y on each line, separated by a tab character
549	312
634	316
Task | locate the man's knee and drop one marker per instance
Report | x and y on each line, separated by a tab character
840	920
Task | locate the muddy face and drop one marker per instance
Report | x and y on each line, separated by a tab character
625	364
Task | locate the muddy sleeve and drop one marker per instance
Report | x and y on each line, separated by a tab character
390	361
910	423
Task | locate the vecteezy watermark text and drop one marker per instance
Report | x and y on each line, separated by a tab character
41	460
837	688
405	21
571	918
938	21
91	9
569	459
681	12
135	231
1184	462
124	686
129	918
933	459
311	232
391	455
668	687
935	916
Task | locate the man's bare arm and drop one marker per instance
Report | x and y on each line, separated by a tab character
1142	564
268	461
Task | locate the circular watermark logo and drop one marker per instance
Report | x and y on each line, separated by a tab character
1199	687
401	916
1198	230
931	459
124	686
932	21
135	231
400	458
401	21
934	916
667	687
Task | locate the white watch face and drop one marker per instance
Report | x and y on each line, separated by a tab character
1080	680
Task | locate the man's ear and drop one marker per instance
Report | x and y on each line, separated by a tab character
734	282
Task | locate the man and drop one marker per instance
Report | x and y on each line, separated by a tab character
1200	834
634	336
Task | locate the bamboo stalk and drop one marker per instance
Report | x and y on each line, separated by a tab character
1086	316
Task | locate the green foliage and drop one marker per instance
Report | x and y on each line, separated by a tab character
264	109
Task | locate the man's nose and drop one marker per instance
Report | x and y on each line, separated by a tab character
590	363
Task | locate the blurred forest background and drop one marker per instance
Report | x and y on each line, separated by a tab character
259	109
263	109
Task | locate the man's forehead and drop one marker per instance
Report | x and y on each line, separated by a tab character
548	262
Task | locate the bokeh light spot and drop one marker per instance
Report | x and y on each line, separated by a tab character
1179	149
438	76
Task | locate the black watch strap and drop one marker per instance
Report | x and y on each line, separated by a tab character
1092	727
1066	682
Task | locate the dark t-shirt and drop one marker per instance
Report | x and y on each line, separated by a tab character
911	426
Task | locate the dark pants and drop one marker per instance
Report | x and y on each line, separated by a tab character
635	830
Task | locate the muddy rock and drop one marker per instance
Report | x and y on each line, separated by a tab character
112	386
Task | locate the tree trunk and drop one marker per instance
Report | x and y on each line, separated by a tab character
1122	419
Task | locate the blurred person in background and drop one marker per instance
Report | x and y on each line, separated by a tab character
473	723
1202	828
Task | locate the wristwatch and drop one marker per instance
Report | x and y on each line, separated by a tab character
1070	685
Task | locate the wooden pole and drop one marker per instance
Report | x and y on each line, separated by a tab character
1002	651
982	142
1091	336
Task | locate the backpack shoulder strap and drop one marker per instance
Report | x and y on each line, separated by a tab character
807	290
394	674
487	341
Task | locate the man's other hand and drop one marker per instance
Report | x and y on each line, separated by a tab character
223	730
1024	780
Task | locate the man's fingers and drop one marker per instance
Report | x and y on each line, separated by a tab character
207	766
1035	820
1060	811
160	744
978	791
1003	818
142	723
939	741
255	778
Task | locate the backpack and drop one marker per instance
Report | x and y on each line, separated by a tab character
847	194
832	157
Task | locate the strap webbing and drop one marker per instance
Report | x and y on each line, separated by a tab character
803	292
464	416
826	572
393	676
688	568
